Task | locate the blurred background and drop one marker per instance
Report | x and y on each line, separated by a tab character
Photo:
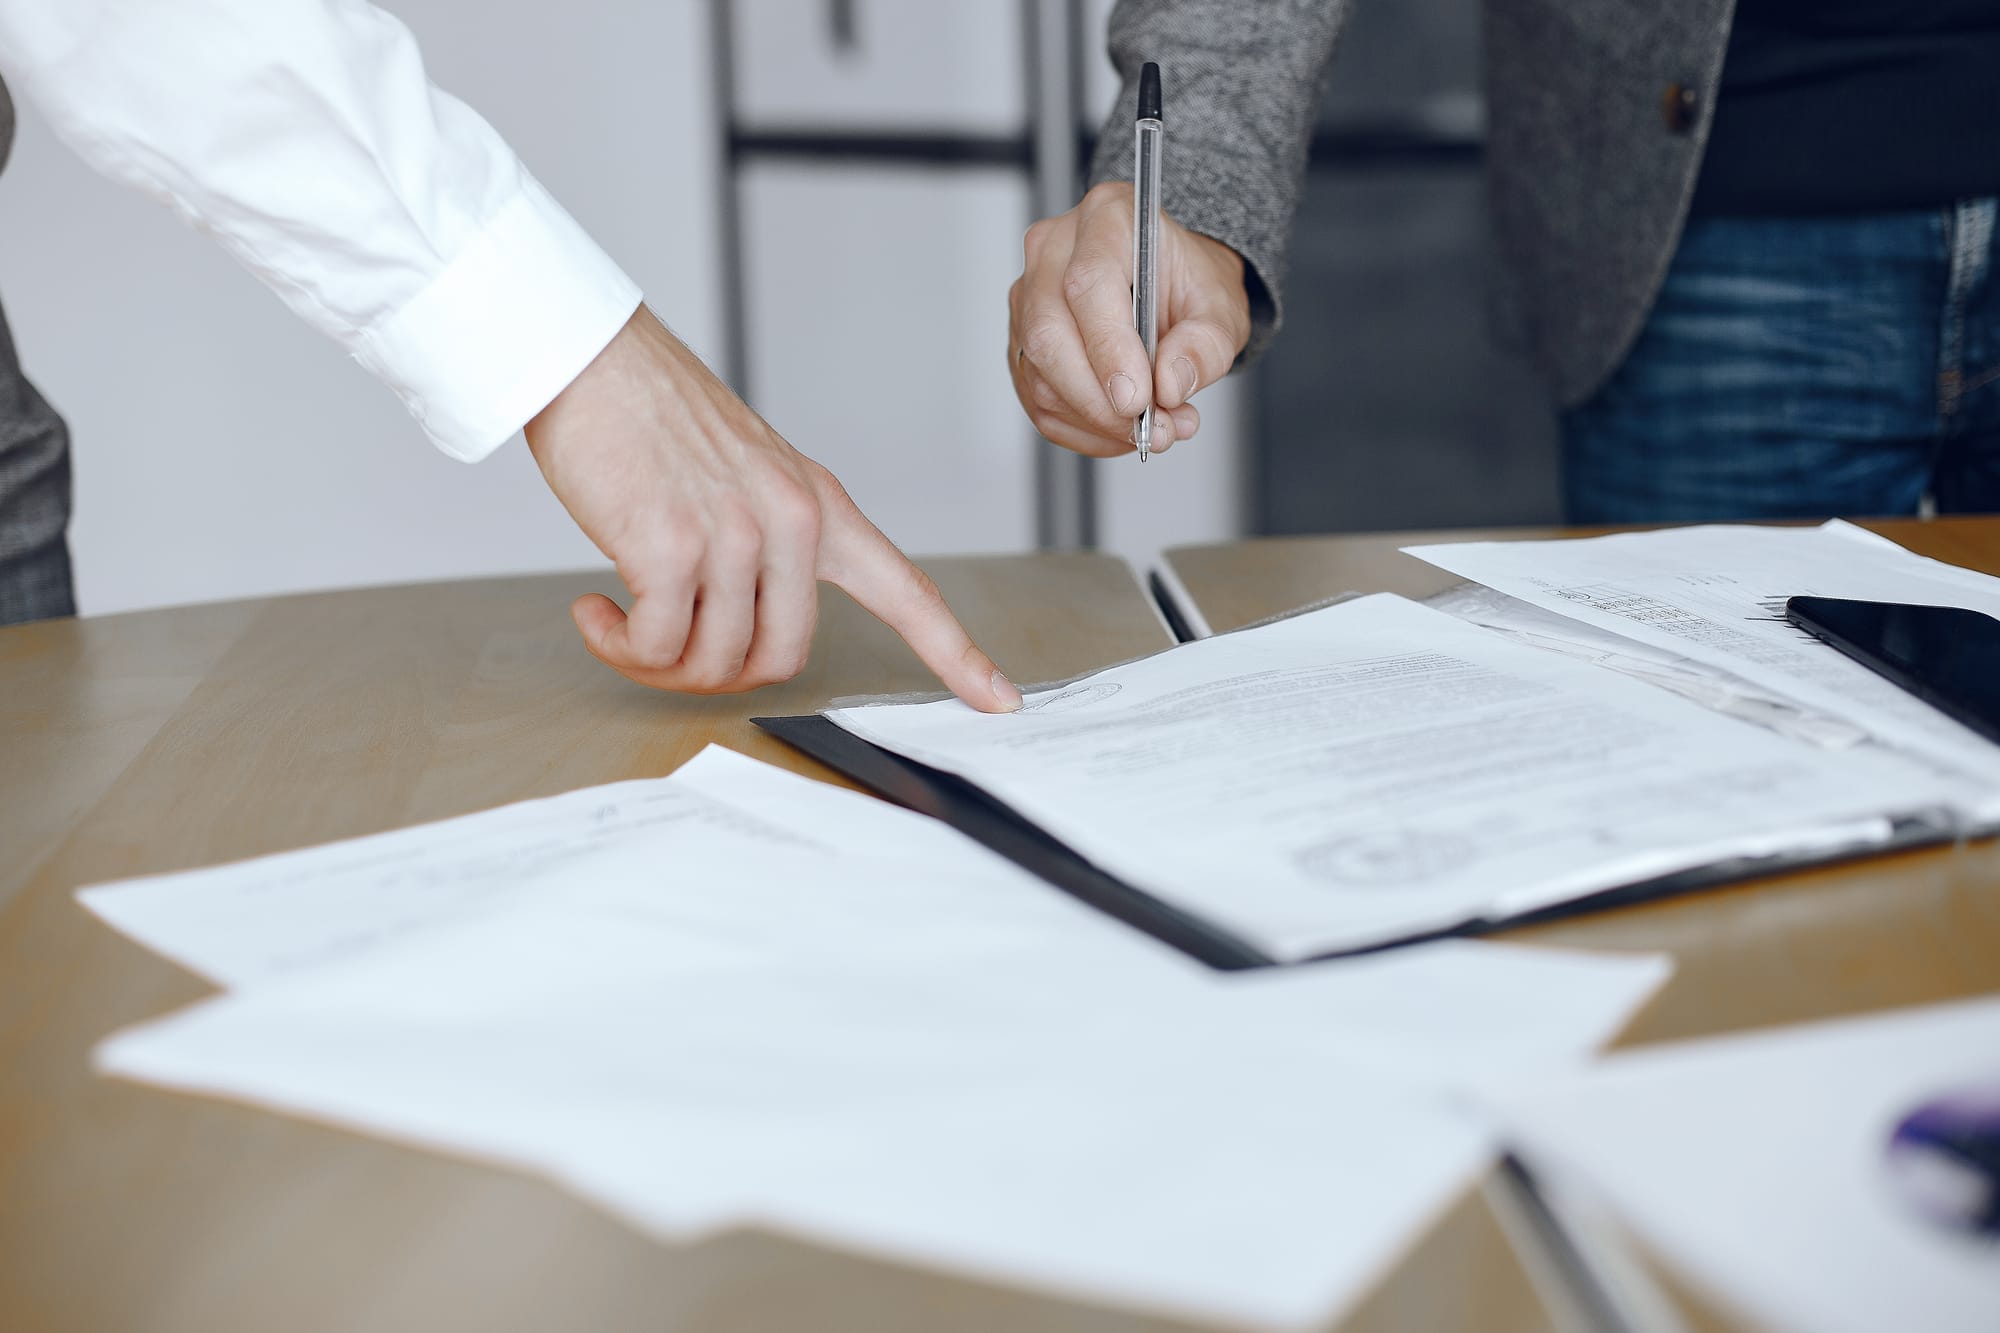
825	198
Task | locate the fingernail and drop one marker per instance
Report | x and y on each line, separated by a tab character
1188	377
1122	391
1005	691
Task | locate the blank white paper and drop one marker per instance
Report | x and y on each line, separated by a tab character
1756	1166
999	1084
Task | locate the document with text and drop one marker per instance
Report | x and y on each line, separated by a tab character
254	920
1372	771
763	1002
1696	681
1717	594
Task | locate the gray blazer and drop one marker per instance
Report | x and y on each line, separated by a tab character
1597	113
34	479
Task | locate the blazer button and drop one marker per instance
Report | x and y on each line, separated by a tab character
1680	107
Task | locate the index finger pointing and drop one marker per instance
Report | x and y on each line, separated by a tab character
855	556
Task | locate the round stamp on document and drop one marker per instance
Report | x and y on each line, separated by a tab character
1387	859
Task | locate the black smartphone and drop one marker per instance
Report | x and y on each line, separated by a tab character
1947	656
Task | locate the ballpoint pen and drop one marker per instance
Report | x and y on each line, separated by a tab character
1148	140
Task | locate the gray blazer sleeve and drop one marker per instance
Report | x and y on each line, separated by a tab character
1242	79
6	125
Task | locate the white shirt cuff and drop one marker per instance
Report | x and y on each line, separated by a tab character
516	315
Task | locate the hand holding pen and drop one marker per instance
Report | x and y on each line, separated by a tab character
1148	144
1079	366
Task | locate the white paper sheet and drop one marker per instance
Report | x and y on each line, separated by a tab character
736	997
1756	1166
254	920
1696	681
1717	594
1002	1084
1376	769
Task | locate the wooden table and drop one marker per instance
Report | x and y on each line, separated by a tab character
171	739
163	740
1915	928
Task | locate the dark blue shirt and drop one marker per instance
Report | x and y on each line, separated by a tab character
1855	106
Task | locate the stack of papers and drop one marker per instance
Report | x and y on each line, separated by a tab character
1716	596
1696	681
1376	771
1614	714
258	920
736	997
1758	1167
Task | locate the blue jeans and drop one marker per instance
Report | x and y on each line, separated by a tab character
1804	367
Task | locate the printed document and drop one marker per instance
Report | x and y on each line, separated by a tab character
254	920
710	1020
1696	681
1376	770
1717	594
1756	1166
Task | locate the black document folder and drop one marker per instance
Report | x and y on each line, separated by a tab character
972	812
975	813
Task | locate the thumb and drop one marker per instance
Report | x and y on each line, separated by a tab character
1197	350
855	557
1207	325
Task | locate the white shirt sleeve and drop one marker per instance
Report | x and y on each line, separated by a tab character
304	135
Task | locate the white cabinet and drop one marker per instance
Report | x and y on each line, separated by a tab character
878	323
911	65
881	193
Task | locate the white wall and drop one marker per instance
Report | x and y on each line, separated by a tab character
222	449
877	304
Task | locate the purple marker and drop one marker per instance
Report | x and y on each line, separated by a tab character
1944	1159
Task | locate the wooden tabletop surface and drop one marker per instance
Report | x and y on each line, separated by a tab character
170	739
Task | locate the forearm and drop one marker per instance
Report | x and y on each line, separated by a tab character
1243	80
304	135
